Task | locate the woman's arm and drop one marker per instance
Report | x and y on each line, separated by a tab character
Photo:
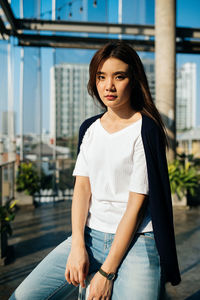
125	231
100	286
80	206
78	262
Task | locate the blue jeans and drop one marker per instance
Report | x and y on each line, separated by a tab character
138	277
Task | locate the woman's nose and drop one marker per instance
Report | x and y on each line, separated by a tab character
110	85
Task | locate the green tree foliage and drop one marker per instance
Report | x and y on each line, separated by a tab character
6	216
27	179
184	178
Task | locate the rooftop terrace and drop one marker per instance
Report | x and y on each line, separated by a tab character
38	230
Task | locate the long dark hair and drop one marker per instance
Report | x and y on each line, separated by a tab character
141	99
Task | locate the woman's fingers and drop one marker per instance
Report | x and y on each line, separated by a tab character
82	279
71	276
67	275
77	267
83	272
74	278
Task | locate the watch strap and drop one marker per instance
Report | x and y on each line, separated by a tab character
109	276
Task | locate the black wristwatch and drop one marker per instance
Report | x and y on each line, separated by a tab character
109	276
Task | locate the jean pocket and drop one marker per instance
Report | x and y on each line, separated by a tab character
148	235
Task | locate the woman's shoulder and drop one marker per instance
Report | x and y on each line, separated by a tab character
86	128
148	123
88	122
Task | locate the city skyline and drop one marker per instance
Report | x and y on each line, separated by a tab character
133	12
185	91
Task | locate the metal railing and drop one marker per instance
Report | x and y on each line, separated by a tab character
47	196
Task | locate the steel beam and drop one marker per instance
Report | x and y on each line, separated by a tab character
57	41
89	27
78	42
188	47
95	27
9	14
184	32
3	30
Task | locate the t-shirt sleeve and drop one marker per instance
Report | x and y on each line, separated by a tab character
139	177
81	166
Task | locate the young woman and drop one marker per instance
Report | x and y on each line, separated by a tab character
122	223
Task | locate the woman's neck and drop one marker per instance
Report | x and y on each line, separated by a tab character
120	115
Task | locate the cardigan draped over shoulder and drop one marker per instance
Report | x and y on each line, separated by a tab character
159	195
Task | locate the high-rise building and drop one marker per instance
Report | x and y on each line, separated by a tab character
149	67
186	97
70	102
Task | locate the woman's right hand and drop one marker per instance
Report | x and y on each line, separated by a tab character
77	266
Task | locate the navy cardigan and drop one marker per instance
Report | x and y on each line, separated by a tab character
159	195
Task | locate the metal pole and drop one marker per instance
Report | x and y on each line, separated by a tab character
54	102
120	15
39	86
21	98
39	99
10	113
10	104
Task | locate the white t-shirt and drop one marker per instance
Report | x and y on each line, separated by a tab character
115	164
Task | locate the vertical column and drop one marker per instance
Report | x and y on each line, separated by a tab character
120	15
54	102
21	104
165	50
39	98
10	113
21	95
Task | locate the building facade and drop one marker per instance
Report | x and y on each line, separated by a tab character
186	97
70	102
189	142
149	67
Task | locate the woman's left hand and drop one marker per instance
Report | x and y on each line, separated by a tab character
100	288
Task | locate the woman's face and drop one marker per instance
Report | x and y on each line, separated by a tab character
113	83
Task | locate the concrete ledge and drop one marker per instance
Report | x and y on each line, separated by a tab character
23	199
179	202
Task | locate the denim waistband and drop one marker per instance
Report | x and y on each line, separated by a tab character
111	235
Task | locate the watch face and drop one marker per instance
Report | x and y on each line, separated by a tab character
111	276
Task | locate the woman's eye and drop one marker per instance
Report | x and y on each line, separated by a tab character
100	77
120	77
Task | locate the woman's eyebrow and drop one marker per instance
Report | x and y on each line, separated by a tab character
99	72
121	72
115	73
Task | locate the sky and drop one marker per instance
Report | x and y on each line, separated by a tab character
134	12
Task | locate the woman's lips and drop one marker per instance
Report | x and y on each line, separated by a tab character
111	97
